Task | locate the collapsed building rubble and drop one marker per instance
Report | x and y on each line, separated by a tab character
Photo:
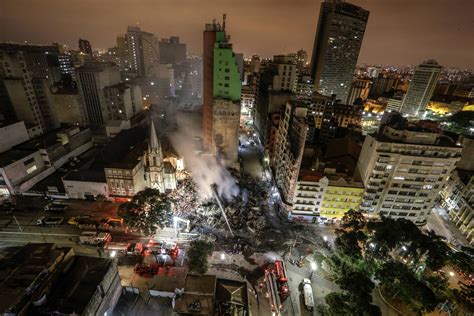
244	214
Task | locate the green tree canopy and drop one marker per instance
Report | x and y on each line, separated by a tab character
147	211
197	253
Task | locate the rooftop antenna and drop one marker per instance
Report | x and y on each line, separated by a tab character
223	21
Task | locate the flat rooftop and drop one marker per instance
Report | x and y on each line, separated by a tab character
74	289
18	272
12	155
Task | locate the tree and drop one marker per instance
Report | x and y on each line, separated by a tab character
353	220
399	281
147	211
347	244
337	304
198	252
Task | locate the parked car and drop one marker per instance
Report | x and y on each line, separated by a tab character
49	221
80	219
55	206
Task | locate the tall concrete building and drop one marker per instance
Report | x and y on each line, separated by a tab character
143	52
285	72
336	48
404	169
85	47
421	88
26	74
93	77
288	151
172	51
222	91
359	89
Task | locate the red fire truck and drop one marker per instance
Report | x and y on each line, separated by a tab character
277	286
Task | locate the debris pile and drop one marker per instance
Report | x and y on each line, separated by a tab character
244	213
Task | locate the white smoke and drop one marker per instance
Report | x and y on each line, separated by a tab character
205	170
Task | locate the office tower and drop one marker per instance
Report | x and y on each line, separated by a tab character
336	48
359	89
403	169
421	88
85	47
142	51
172	51
92	78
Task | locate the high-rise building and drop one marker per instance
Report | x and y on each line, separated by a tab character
172	51
359	89
421	88
85	47
457	197
403	170
285	72
336	48
301	59
209	40
222	91
288	152
93	77
26	74
143	52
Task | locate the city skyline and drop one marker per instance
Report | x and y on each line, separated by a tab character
253	28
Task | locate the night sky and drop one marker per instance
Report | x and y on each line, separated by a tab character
399	32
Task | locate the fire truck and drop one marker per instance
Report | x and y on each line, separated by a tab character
277	286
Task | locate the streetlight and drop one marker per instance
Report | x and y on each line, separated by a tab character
325	238
222	256
451	273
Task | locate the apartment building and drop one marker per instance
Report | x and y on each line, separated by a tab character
457	197
403	171
288	151
322	198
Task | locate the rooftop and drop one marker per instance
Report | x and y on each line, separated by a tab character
86	175
75	288
13	155
20	271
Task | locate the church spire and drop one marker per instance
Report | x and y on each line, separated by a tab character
154	144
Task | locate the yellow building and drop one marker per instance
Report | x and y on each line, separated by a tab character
339	197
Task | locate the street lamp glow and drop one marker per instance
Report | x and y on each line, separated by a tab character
113	253
222	256
313	266
404	248
325	238
451	273
372	245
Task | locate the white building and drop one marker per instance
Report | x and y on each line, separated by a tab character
421	88
12	134
403	171
286	72
458	199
